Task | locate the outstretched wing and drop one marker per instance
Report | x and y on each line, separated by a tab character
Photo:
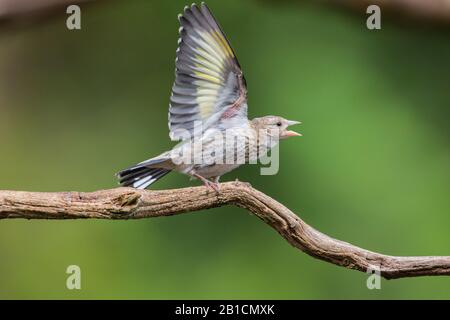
209	85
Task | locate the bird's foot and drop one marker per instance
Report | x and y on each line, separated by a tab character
215	186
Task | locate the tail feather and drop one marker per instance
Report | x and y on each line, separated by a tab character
129	174
141	176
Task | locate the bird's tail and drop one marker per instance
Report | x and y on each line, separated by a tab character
143	174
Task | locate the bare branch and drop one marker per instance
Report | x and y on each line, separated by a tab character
127	203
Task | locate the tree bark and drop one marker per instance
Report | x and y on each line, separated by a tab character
128	203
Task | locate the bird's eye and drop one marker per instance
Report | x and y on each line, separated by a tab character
279	124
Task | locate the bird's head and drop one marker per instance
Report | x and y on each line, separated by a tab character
275	126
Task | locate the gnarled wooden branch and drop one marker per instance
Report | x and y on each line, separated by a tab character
127	203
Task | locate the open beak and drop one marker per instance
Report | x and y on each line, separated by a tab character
291	133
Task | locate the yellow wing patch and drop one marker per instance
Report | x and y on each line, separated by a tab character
223	42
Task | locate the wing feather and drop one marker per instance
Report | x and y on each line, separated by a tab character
209	86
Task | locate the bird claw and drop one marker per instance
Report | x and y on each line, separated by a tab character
214	186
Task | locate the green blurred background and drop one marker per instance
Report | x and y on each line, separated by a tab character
372	168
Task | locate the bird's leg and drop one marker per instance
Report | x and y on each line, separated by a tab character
208	184
215	180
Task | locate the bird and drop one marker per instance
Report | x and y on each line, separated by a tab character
208	111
